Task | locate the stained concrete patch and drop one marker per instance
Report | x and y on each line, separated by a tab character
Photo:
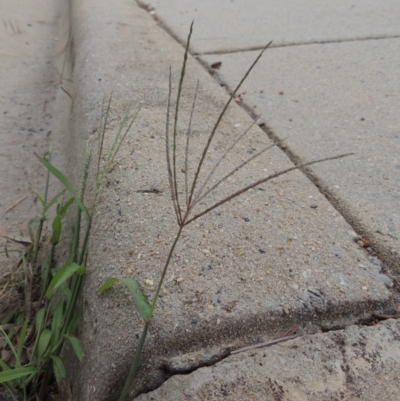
247	271
238	25
336	98
352	364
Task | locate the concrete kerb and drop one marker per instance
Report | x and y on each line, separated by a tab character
251	269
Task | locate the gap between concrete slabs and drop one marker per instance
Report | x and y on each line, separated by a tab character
279	255
329	99
351	364
228	26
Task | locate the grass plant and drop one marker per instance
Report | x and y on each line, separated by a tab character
34	335
186	209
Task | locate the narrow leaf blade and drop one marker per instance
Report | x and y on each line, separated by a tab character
12	374
107	285
76	345
67	184
57	227
44	341
139	297
61	276
59	369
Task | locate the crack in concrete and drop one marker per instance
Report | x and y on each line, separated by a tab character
293	44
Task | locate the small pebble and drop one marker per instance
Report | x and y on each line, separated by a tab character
365	288
196	272
218	321
286	310
206	251
314	206
129	271
149	282
210	307
246	219
179	279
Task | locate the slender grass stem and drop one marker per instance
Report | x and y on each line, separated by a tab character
171	251
139	349
135	363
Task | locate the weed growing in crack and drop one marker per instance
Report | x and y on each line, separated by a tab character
186	208
33	335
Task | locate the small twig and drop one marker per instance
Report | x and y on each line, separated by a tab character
291	331
15	204
266	344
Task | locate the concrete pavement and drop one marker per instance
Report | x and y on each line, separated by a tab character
284	255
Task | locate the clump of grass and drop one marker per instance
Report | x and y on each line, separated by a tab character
186	209
33	336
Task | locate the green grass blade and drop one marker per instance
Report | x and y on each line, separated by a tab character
57	321
44	342
53	201
39	319
12	374
39	198
67	184
57	227
22	338
65	208
3	365
75	320
107	285
76	345
60	277
7	339
59	369
138	295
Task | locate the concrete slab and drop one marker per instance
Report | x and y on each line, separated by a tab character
336	98
32	41
279	255
352	364
227	25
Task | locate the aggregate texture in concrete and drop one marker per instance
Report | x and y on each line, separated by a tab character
352	364
229	26
278	256
330	84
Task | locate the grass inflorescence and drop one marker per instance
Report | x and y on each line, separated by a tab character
186	207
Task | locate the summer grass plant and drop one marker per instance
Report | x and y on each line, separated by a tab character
35	334
185	208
